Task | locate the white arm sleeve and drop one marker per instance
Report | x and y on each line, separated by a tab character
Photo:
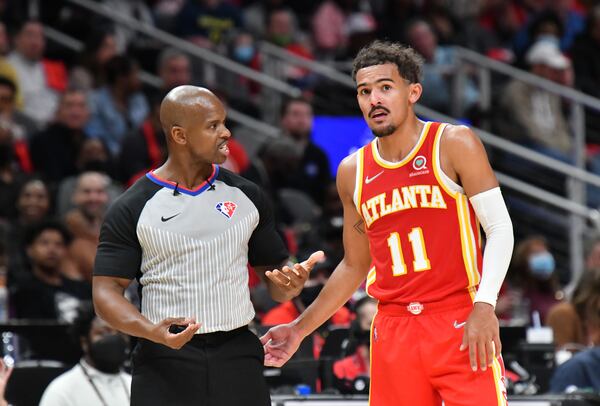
491	211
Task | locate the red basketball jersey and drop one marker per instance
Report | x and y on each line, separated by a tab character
423	233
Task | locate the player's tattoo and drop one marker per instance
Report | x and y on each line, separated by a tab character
360	226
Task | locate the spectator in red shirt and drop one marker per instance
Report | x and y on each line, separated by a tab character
355	366
281	31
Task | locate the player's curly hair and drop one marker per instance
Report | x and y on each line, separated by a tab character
408	61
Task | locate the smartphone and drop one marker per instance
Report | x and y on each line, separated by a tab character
177	328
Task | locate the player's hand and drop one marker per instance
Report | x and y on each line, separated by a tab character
291	280
280	343
160	333
482	336
5	372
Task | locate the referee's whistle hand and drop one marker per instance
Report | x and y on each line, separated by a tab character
290	280
175	341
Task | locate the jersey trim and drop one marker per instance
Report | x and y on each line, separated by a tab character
359	177
393	165
467	240
451	187
498	375
371	277
192	192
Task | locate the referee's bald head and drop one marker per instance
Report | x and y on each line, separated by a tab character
185	106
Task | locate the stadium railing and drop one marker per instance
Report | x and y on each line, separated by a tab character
580	220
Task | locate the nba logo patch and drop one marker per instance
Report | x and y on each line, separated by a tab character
226	208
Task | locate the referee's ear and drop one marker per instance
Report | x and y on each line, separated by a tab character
178	135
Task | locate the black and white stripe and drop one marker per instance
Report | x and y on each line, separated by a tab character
194	264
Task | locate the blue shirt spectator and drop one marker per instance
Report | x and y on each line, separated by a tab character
119	107
581	371
563	24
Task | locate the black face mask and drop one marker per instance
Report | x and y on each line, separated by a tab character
359	335
363	337
96	166
309	294
108	353
6	154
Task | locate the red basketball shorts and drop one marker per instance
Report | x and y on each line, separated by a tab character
416	361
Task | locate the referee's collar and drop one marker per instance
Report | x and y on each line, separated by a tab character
192	192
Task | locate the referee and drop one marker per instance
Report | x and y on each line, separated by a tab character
187	231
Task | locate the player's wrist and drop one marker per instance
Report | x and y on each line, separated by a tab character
153	332
300	327
483	306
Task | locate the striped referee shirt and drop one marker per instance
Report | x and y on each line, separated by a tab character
189	249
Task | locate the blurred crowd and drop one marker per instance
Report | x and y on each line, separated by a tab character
76	129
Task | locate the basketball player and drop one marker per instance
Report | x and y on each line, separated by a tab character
413	201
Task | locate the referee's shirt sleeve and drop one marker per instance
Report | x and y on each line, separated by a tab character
119	252
266	246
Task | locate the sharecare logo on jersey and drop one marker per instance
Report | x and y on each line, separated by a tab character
226	208
419	163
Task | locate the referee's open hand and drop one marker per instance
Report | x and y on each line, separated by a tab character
175	341
291	279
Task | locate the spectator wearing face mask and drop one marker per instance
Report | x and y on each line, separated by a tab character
290	310
281	31
534	269
98	378
243	49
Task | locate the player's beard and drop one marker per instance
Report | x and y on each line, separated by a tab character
384	132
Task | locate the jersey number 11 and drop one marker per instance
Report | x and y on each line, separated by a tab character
420	263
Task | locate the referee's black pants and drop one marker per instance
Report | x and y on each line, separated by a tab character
214	369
